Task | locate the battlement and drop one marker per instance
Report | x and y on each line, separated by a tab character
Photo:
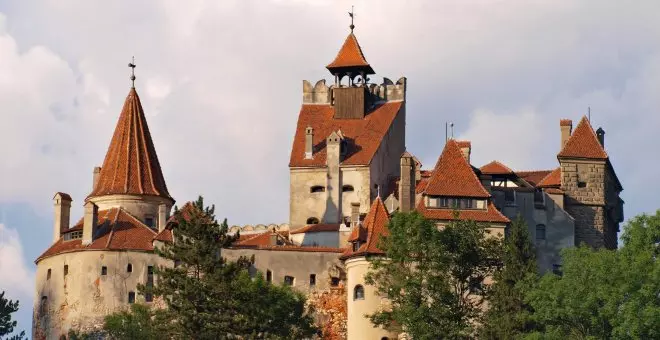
249	229
322	94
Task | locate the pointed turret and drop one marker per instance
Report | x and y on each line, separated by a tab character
131	166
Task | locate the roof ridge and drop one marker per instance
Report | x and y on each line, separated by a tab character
140	223
452	160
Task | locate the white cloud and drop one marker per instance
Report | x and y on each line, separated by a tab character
16	279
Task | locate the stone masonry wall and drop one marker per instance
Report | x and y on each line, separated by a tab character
584	185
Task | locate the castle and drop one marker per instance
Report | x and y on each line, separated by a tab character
349	171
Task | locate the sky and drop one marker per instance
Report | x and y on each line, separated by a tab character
221	85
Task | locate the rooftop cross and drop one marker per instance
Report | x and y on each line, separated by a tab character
132	66
351	14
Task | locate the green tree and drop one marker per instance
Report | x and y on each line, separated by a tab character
508	314
140	323
604	294
7	325
435	279
208	297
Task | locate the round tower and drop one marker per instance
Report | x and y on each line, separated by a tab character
364	299
94	266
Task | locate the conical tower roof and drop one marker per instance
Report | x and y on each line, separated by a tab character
350	58
131	165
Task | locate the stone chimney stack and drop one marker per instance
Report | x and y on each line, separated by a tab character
309	144
97	172
273	238
566	126
355	214
90	222
62	204
162	217
407	183
466	148
333	189
600	133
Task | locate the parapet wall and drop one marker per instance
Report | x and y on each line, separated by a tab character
257	228
322	94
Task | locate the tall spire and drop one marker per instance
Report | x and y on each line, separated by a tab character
350	60
131	165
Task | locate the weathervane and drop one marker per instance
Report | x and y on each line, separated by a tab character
132	66
351	14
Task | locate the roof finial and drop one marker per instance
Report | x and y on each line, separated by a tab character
132	66
351	14
589	113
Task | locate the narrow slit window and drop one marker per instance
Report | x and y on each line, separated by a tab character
312	280
131	297
358	292
269	276
540	232
129	268
66	269
104	270
48	274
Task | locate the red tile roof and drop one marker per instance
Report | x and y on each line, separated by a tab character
565	122
131	165
165	236
376	226
496	168
262	239
583	143
359	233
553	179
364	135
308	249
117	230
316	228
464	143
533	177
453	176
491	214
350	55
555	191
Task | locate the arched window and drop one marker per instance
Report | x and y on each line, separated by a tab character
358	292
317	188
129	268
540	232
347	188
312	220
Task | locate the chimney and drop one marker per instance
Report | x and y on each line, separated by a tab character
62	204
273	238
309	146
162	217
355	214
600	133
97	172
566	126
407	183
333	188
466	148
90	222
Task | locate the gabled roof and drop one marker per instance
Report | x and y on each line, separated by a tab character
453	176
375	225
131	165
491	214
117	230
496	168
363	136
533	177
583	143
350	56
553	179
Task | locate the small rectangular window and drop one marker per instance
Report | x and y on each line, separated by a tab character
312	280
66	269
509	197
48	274
289	280
269	276
149	221
131	297
104	270
444	202
334	282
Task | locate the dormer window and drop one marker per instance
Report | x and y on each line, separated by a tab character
149	221
317	188
347	188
